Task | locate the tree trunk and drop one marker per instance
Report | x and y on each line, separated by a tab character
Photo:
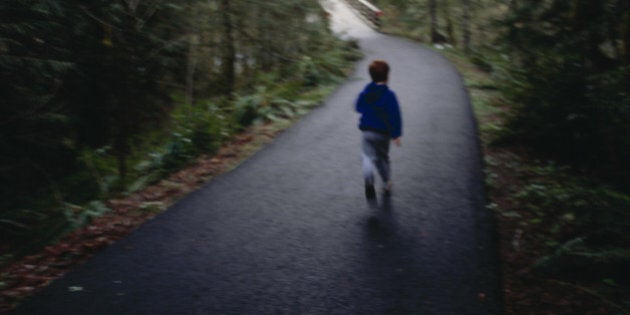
190	67
265	58
435	36
228	54
121	150
466	25
450	30
625	33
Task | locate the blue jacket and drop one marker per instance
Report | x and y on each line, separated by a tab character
379	110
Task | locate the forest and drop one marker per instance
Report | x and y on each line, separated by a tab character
564	64
103	98
549	81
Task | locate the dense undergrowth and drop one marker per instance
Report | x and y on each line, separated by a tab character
563	232
191	130
562	218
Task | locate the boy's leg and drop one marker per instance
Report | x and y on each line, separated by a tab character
382	159
368	157
368	169
368	176
376	154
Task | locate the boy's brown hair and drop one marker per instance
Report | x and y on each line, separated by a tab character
379	70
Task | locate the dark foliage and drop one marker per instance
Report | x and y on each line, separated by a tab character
78	74
34	121
91	102
130	52
570	76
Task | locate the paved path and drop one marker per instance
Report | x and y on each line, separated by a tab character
289	231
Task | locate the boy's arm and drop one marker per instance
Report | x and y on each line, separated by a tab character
394	117
357	104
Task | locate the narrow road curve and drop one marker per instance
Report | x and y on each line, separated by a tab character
289	231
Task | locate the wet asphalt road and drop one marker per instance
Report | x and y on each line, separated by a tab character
289	231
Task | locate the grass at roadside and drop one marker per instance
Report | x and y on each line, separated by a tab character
561	234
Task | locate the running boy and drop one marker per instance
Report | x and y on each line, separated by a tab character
380	123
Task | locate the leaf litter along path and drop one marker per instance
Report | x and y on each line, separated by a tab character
31	273
289	230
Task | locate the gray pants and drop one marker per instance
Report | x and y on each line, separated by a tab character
375	154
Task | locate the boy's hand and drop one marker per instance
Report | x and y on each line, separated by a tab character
397	141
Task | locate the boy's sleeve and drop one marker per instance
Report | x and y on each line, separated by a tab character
357	104
395	119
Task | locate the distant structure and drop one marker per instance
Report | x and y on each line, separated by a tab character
368	12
